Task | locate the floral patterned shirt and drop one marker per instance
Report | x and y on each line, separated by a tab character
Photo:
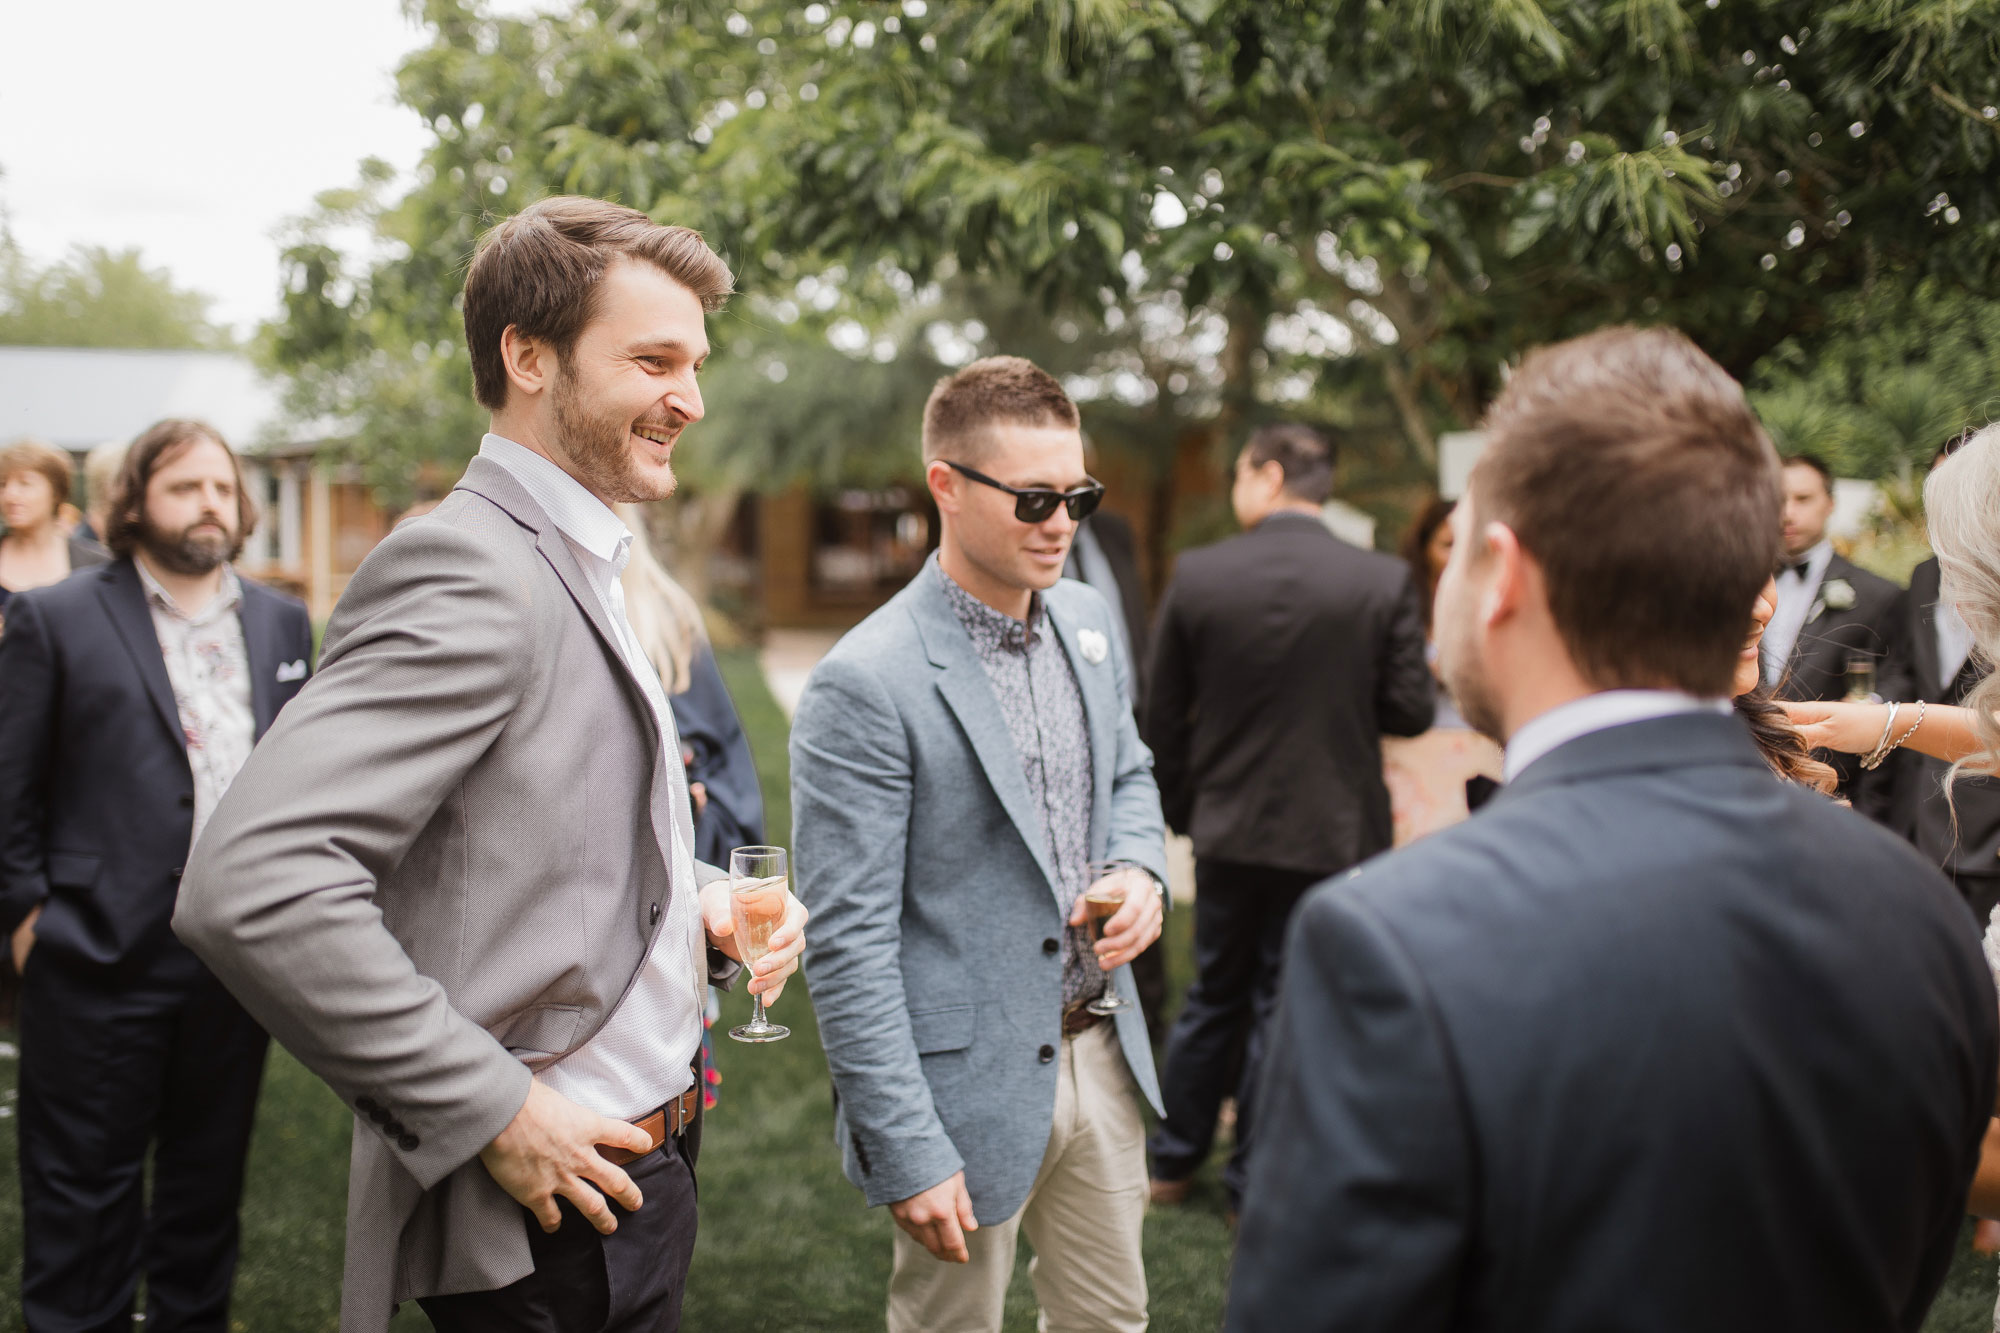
1039	696
209	667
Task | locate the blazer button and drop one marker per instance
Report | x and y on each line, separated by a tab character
364	1104
394	1129
178	870
408	1143
1051	947
187	801
1047	1053
380	1115
656	914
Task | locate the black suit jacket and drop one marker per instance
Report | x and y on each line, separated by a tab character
1972	847
1653	1042
96	796
1817	669
1281	658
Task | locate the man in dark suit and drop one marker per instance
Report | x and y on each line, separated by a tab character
129	695
1105	556
1959	833
1655	1041
1833	618
1282	657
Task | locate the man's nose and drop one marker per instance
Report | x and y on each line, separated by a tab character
686	404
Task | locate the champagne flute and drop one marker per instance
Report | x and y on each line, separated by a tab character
1101	900
756	906
1860	678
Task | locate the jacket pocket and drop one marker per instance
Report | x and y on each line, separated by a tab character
540	1033
940	1030
73	870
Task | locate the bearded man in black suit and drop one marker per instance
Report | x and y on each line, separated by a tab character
1833	618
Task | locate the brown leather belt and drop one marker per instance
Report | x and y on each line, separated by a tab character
670	1121
1079	1019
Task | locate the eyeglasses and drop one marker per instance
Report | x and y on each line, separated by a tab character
1034	504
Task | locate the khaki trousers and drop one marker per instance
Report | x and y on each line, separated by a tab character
1082	1218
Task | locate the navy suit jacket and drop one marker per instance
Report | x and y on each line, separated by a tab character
96	796
1653	1042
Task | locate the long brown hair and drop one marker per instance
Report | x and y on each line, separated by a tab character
1779	741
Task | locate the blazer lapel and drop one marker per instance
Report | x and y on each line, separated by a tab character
264	656
1097	684
125	600
963	683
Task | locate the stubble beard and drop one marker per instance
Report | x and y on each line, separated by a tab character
1464	675
596	445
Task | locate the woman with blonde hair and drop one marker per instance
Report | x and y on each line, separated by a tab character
722	777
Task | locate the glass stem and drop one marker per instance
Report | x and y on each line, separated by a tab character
757	1019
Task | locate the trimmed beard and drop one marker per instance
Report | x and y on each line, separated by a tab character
185	552
595	444
1464	678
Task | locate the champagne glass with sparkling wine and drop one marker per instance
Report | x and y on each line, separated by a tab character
1101	901
757	904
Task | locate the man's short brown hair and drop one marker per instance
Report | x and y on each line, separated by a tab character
539	271
1632	469
34	456
993	391
158	445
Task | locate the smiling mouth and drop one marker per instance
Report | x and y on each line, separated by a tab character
657	434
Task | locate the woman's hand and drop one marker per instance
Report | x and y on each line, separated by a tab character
1849	728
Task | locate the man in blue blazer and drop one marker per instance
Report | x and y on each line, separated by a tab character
129	695
1654	1041
963	765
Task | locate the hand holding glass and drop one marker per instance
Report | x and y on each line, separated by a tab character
1109	883
757	894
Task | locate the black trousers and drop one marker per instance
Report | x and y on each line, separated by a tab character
111	1065
630	1281
1240	913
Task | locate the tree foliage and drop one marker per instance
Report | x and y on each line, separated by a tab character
1207	210
99	298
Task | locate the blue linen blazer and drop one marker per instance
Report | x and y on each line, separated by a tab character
934	903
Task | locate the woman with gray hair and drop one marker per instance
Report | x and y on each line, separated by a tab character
1965	534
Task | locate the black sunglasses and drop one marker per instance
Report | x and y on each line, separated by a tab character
1034	504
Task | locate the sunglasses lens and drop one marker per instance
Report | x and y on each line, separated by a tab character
1035	506
1082	506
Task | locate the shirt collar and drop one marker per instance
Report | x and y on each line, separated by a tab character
978	617
1816	559
1597	712
578	515
226	599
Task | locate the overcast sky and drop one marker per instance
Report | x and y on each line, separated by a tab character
191	130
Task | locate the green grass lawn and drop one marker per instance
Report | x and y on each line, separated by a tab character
785	1241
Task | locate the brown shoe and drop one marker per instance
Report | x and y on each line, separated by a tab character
1167	1193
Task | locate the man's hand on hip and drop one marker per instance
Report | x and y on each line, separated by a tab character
788	941
24	938
939	1218
549	1150
1133	926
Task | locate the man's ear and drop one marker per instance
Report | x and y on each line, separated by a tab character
1508	588
529	362
944	485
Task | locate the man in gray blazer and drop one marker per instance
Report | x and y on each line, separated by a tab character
963	764
457	878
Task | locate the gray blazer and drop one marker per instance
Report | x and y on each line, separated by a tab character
441	870
933	901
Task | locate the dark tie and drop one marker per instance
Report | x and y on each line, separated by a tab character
1801	568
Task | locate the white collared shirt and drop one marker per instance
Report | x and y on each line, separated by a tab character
1796	595
1954	643
1597	712
640	1059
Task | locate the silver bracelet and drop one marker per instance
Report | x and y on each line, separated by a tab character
1873	759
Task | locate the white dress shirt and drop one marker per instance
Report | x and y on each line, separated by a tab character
1954	643
1796	595
641	1058
1597	712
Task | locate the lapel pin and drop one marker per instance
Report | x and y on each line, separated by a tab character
1094	646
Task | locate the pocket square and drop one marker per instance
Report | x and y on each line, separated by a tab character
291	670
1094	646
